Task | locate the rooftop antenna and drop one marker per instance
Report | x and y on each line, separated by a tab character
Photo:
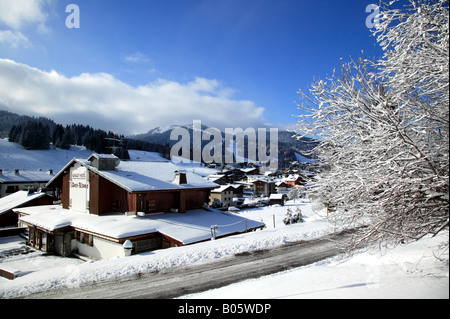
114	147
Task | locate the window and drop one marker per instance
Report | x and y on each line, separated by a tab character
84	238
151	206
115	205
147	244
11	189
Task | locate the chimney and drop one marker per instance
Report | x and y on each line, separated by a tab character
50	172
104	162
180	178
16	171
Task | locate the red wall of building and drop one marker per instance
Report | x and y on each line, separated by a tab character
106	197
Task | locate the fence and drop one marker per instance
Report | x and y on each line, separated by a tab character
215	227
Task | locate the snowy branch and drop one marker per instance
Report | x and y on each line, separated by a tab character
384	129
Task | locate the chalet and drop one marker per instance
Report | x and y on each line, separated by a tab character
282	187
219	179
102	184
14	180
20	199
238	190
109	205
244	188
233	174
250	170
262	185
277	199
223	194
295	180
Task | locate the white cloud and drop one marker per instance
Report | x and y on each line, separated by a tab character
105	102
137	57
16	14
14	39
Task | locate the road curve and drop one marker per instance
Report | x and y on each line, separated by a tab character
179	281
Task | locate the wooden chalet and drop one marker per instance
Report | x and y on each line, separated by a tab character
15	180
295	180
223	194
219	179
103	184
17	200
279	199
111	208
283	187
262	185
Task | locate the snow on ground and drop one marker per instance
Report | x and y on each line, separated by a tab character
14	156
30	264
144	156
412	269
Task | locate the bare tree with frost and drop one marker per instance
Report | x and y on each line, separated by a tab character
384	129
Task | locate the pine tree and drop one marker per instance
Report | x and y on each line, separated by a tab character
57	134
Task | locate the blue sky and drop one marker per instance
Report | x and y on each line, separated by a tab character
136	64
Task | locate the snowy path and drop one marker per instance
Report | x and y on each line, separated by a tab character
179	281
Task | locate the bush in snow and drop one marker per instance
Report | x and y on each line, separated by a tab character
293	218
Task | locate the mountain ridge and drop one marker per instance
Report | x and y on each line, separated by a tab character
158	138
288	144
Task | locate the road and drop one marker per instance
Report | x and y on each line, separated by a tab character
179	281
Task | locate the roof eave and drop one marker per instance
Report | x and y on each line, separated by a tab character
61	171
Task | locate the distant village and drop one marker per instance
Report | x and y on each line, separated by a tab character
95	206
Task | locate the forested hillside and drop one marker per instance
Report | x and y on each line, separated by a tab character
42	133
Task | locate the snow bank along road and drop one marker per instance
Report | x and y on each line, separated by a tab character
179	281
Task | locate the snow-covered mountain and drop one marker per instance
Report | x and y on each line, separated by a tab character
289	148
161	134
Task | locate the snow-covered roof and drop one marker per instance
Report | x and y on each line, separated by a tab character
136	176
223	188
190	227
215	176
17	199
260	178
292	178
276	196
281	183
104	156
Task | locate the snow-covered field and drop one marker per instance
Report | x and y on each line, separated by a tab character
410	271
14	156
